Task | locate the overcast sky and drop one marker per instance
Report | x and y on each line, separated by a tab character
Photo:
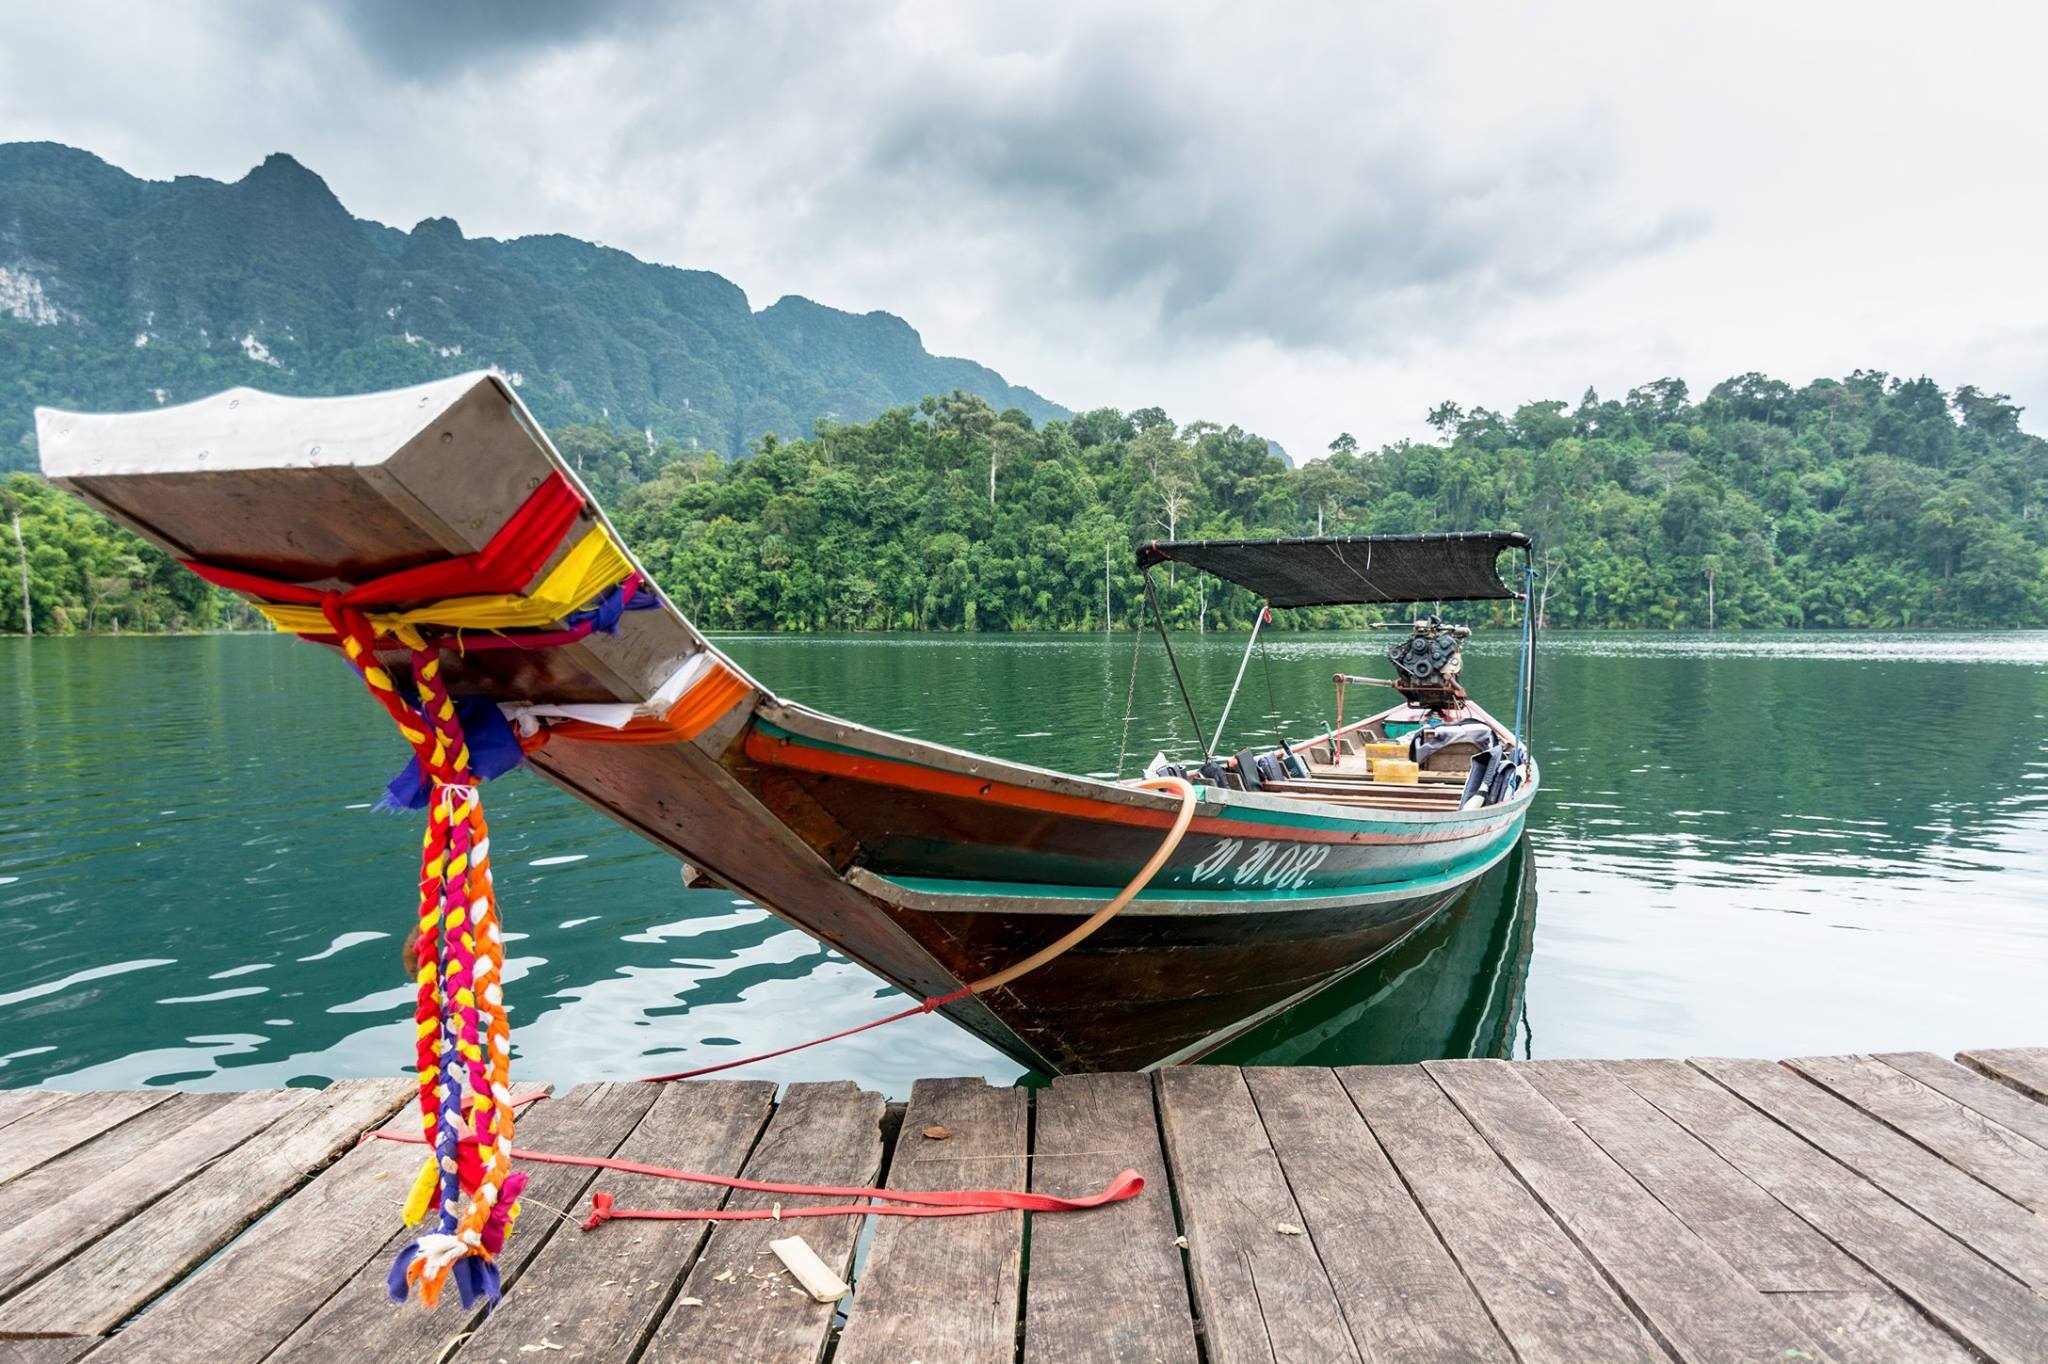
1303	219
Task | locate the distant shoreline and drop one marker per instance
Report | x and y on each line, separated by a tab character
1124	631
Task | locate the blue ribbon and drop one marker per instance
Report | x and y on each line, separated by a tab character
613	604
493	751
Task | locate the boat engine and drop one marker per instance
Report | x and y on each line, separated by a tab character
1426	664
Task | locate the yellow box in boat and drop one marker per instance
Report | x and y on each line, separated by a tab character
1381	752
1396	770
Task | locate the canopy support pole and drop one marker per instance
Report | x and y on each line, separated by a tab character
1258	623
1159	618
1526	675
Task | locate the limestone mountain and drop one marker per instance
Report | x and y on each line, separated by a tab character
118	292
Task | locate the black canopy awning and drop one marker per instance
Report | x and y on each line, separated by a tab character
1343	570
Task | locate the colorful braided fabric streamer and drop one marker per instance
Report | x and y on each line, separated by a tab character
463	1042
466	1197
467	1194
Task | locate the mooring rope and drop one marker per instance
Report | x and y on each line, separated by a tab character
1060	946
927	1204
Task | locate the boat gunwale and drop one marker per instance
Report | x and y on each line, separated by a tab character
815	726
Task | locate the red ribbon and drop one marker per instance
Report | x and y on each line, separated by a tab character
504	566
924	1203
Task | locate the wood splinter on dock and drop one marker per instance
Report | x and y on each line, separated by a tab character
813	1273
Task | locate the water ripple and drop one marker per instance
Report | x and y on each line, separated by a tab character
1748	844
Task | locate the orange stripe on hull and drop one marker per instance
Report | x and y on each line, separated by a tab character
775	752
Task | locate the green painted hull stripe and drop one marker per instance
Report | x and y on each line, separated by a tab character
1283	818
1460	869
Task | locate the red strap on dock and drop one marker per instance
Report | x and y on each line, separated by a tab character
918	1202
922	1203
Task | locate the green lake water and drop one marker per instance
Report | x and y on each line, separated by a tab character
1760	845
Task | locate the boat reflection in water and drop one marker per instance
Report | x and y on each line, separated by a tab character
1454	989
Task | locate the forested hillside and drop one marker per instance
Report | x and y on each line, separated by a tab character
1862	502
120	293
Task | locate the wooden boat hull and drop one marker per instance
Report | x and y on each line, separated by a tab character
928	865
982	863
1164	986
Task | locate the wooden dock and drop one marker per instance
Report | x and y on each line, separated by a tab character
1884	1207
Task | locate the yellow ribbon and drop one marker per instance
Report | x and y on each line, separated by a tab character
420	1201
593	565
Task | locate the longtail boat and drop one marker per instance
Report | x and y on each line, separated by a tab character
443	517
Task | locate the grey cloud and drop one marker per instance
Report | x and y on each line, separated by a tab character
421	38
1138	182
1083	136
1199	172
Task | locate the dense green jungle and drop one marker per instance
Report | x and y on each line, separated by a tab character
1864	502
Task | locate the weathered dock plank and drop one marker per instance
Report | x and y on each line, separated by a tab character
947	1288
72	1121
1969	1295
2023	1068
1881	1208
597	1295
1695	1301
112	1277
255	1293
22	1197
1973	1213
736	1301
49	1350
35	1245
1856	1314
1975	1090
20	1103
1088	1129
1261	1290
1400	1290
359	1318
1960	1135
1545	1296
